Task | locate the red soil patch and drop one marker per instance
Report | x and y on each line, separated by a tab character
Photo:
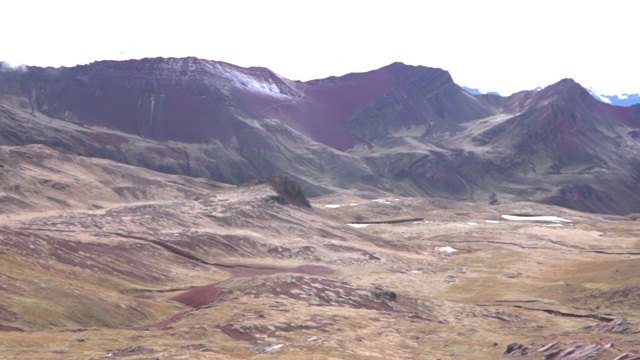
166	324
7	315
10	328
324	292
313	270
230	331
316	291
198	297
205	295
95	257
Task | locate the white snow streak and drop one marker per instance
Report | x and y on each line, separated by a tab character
535	218
153	104
332	206
447	249
382	201
260	86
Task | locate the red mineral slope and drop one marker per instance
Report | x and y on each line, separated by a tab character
192	100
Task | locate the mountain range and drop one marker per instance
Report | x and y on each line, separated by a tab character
407	130
624	99
431	232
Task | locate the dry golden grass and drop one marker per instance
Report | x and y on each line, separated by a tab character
89	283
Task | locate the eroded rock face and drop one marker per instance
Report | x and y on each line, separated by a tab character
619	326
186	99
553	350
289	190
558	351
517	349
627	356
191	100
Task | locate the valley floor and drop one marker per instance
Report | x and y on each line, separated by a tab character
233	275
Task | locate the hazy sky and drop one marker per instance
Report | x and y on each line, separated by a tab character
503	46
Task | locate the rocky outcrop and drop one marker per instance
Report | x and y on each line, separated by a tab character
556	351
617	326
517	349
627	356
289	191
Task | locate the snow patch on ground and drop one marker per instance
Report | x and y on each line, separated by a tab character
535	218
358	226
447	249
492	221
273	347
332	206
335	206
259	85
472	223
382	201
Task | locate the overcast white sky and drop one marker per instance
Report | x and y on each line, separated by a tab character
503	46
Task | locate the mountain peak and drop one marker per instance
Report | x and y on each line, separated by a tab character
565	89
567	84
400	67
158	64
400	126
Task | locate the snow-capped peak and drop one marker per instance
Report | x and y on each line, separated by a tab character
599	97
625	99
475	91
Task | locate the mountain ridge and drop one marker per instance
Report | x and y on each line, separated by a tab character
623	99
401	128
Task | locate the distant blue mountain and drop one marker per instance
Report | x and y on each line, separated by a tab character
478	92
620	100
623	100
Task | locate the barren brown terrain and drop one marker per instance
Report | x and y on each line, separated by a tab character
100	260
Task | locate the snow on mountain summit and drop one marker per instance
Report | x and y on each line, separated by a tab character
624	99
597	96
